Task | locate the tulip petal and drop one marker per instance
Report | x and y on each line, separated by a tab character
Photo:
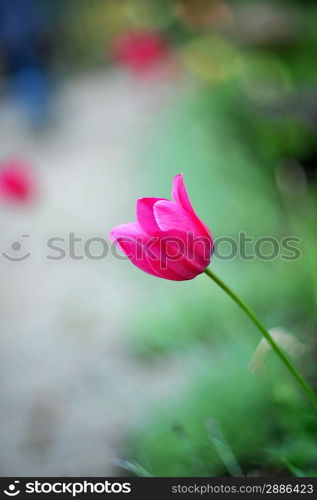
129	238
132	229
169	215
177	252
184	232
180	195
145	214
143	251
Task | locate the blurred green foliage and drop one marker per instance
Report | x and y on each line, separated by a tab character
233	191
260	417
244	135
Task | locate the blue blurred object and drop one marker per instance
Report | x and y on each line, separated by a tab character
25	44
32	91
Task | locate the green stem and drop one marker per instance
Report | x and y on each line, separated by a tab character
280	353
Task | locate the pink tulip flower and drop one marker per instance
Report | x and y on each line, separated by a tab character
139	50
16	181
168	240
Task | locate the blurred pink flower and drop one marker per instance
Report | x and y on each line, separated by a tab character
139	50
168	240
16	181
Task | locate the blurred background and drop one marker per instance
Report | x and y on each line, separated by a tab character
106	370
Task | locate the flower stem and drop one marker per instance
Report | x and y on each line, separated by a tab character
280	353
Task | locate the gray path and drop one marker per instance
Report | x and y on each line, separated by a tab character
69	387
